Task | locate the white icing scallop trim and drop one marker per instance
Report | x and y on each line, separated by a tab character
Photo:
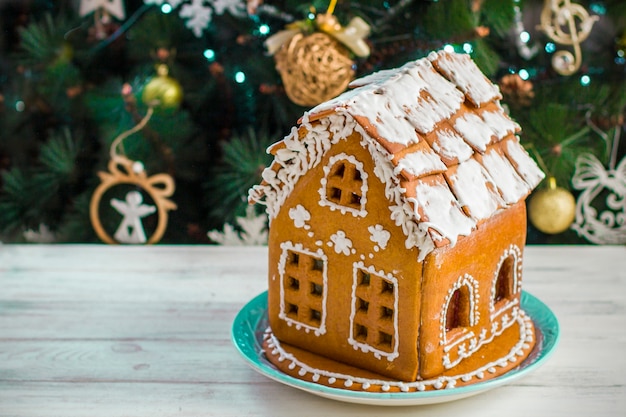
325	202
297	158
513	356
364	347
289	246
469	344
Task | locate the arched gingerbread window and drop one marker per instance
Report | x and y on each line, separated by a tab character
505	281
459	309
344	185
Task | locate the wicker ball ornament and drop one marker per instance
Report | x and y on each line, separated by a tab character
314	68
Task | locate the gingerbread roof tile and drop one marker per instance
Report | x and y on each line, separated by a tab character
441	142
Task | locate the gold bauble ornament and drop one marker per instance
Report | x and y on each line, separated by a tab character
162	91
552	210
314	68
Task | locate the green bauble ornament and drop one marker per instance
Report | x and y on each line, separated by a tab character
162	91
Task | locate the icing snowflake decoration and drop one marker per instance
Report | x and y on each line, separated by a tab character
379	235
199	13
300	216
341	242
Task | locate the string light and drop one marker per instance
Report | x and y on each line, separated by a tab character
524	36
524	75
585	80
448	48
166	8
20	106
550	47
264	29
209	54
240	77
467	47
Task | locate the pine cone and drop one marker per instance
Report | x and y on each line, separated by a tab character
516	90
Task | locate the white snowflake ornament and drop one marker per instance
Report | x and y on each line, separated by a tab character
199	13
113	7
253	226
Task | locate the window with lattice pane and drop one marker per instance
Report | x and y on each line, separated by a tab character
344	185
303	288
374	317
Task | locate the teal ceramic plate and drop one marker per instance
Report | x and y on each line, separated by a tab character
251	322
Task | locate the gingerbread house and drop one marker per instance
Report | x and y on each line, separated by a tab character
397	225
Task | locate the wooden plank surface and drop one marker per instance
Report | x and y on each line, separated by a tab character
93	330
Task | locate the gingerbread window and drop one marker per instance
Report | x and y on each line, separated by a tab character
506	280
460	308
374	312
303	288
458	312
344	185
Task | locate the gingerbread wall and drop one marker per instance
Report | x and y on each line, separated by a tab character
341	248
473	262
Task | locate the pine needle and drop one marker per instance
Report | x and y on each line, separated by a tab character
59	154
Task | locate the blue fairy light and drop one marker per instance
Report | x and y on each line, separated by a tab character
240	77
524	75
209	54
585	80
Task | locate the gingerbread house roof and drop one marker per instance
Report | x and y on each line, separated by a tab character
441	141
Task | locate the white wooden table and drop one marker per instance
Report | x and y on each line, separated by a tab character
93	330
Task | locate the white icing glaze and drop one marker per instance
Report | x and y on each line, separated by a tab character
441	210
501	124
521	346
460	70
475	189
524	164
450	144
511	185
319	254
474	130
420	163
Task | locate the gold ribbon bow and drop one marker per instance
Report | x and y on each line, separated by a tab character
352	36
